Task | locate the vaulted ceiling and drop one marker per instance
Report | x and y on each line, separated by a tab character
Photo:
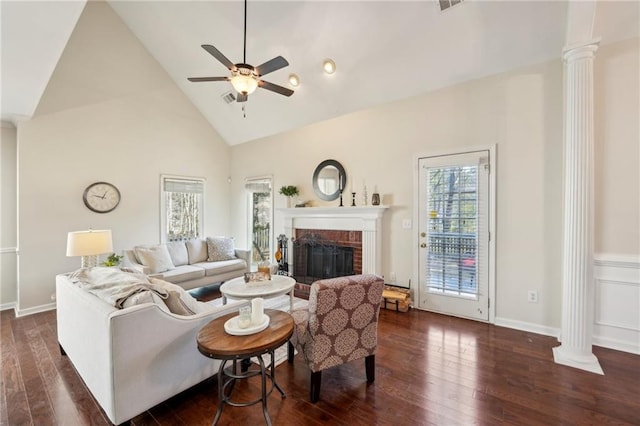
384	50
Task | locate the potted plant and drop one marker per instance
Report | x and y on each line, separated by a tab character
289	191
112	260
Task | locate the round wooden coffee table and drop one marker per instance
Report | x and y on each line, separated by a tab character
214	342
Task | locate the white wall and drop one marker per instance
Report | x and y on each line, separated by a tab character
520	112
617	192
8	216
110	113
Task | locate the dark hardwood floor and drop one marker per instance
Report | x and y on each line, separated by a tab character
430	369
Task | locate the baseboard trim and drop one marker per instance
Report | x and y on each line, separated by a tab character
617	345
35	310
7	306
527	326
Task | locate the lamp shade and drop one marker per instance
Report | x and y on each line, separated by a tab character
89	243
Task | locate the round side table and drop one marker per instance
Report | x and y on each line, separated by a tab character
214	342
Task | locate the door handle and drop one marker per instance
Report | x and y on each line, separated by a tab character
423	245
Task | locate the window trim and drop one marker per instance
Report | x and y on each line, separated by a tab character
163	206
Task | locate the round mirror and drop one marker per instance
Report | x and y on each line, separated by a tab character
328	179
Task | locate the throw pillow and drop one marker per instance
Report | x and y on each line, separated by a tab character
220	248
146	296
179	301
178	253
197	250
177	305
156	258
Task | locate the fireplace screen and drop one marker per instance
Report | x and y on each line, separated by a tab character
317	259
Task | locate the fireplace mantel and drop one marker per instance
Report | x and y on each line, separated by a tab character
365	219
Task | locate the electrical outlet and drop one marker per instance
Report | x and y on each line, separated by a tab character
532	296
392	277
406	224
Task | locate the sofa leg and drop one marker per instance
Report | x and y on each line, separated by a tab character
62	352
370	367
314	391
290	352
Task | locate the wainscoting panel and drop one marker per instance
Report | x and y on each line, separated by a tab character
617	303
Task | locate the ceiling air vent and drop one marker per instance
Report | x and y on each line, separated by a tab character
228	97
446	4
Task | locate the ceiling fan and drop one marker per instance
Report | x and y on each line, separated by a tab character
245	78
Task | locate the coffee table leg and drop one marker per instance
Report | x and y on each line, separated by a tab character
220	390
291	300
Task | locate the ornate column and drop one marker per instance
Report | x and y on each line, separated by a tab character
577	276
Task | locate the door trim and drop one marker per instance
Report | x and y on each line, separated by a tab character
492	217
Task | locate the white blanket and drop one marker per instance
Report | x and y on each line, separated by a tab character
114	285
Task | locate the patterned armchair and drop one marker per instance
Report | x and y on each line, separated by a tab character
339	325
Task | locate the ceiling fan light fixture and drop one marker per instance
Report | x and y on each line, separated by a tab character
244	81
329	66
294	80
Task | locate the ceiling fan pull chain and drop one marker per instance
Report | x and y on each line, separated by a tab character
244	114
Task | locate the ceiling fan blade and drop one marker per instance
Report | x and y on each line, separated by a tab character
272	65
275	88
241	97
219	56
197	79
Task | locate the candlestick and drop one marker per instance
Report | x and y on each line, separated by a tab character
353	199
257	311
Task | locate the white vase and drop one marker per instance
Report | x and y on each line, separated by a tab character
291	202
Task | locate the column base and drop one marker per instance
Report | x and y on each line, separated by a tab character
583	362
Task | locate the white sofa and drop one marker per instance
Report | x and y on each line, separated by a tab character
188	266
134	358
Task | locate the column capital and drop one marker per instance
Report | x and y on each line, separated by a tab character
581	50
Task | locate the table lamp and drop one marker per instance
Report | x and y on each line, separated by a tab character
89	244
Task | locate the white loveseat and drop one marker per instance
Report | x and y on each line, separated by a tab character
134	358
191	263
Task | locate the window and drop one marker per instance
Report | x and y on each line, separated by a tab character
260	202
182	205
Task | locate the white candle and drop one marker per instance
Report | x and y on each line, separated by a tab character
257	311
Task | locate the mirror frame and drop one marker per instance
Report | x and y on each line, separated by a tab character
341	173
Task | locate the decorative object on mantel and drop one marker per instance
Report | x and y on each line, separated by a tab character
89	244
375	198
353	199
289	191
365	197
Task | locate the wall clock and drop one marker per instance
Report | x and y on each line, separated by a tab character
101	197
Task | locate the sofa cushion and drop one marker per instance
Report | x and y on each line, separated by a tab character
157	258
183	273
220	248
222	267
178	253
197	250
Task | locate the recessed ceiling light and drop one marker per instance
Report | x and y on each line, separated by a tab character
294	80
329	66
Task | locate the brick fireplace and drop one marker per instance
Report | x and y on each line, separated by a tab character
324	253
359	228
